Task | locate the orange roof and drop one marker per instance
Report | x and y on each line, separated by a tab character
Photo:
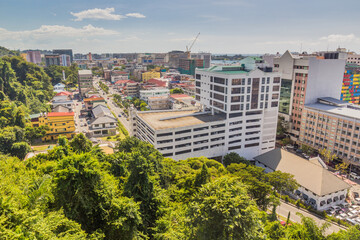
122	81
65	93
93	99
60	114
180	96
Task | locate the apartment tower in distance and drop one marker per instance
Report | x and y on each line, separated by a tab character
239	114
305	78
68	52
85	82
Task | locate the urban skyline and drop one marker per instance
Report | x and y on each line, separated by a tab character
139	26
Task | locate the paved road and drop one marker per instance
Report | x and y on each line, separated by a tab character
79	120
285	208
113	107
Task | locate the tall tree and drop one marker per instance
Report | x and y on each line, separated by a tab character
223	210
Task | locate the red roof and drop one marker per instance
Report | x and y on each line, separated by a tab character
179	96
122	81
93	99
60	114
63	93
157	82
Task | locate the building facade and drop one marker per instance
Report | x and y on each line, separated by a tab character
350	91
149	75
34	57
85	79
240	110
68	52
318	188
53	59
156	92
59	123
304	79
334	125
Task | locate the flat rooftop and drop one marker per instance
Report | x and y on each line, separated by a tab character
344	111
235	69
176	119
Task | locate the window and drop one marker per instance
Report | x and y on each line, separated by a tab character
234	147
164	134
182	152
235	99
219	80
236	81
251	145
235	107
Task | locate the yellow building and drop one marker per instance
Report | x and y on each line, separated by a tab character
23	55
59	123
149	75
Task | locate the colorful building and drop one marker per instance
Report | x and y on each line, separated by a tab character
149	75
350	91
59	123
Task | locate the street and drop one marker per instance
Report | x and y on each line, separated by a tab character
113	107
285	208
79	121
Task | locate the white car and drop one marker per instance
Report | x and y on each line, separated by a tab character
354	175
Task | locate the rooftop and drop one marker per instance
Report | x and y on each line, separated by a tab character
60	114
345	111
176	96
100	111
309	175
235	69
94	99
85	72
65	93
176	119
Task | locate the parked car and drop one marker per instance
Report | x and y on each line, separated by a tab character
354	175
356	195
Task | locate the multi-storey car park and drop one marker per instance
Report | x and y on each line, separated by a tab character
239	114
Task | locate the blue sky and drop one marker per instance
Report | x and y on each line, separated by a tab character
225	26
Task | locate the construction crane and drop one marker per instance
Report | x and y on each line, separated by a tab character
188	49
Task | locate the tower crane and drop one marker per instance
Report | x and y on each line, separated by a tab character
188	48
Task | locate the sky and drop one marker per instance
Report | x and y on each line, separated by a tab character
225	26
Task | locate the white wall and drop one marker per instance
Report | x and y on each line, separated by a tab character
325	79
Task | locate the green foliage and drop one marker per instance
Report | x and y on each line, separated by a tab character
282	181
223	210
56	74
104	87
80	144
75	191
233	158
176	91
202	177
25	84
6	52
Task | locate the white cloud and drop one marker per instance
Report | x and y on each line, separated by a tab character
55	31
340	38
97	13
135	15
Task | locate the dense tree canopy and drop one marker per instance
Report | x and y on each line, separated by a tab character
75	191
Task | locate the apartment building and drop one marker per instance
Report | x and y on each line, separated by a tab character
155	92
188	66
59	123
159	102
204	56
68	52
52	59
304	79
239	115
103	122
149	75
132	89
332	124
85	81
34	57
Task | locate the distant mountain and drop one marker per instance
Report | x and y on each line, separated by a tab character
6	52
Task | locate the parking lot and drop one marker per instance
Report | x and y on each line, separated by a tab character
347	212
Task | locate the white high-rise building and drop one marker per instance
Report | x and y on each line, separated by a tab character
240	110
